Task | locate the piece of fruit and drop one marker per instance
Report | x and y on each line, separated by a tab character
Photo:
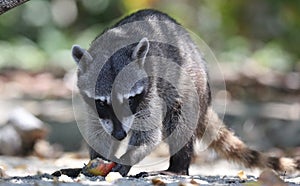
97	167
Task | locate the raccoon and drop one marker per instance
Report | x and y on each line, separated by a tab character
144	80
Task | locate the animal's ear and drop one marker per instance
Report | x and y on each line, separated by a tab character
141	50
78	53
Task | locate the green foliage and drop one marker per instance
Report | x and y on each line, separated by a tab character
41	33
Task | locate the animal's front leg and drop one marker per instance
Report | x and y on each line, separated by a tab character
180	161
129	159
140	145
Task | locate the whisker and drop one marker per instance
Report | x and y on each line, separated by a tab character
96	132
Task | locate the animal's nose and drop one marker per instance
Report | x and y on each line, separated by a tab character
119	135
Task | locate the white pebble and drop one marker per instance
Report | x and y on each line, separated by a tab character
65	178
113	176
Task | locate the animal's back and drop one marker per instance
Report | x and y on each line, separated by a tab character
158	47
146	15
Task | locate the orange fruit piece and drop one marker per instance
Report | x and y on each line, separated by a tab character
98	167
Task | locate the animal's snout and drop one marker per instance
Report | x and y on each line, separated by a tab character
119	135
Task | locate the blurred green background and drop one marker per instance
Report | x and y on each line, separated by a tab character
256	42
40	34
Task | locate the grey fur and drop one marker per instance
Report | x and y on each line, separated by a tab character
160	63
145	80
141	51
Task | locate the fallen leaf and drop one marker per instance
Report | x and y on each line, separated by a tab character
242	175
158	182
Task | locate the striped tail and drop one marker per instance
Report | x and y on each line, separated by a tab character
227	145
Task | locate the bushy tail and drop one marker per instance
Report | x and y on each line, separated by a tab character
226	144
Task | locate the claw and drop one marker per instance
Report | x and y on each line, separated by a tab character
122	169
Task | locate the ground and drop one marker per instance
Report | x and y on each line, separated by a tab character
36	171
262	125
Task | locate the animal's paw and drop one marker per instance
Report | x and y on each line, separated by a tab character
122	169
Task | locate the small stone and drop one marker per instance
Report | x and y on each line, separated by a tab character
65	178
2	172
113	176
270	178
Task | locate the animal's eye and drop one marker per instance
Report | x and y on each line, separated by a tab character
134	101
101	107
100	103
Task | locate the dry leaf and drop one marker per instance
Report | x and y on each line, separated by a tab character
242	175
158	182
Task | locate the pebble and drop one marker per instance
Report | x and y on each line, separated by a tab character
113	176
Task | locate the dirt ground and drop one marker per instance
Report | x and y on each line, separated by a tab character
35	171
39	94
